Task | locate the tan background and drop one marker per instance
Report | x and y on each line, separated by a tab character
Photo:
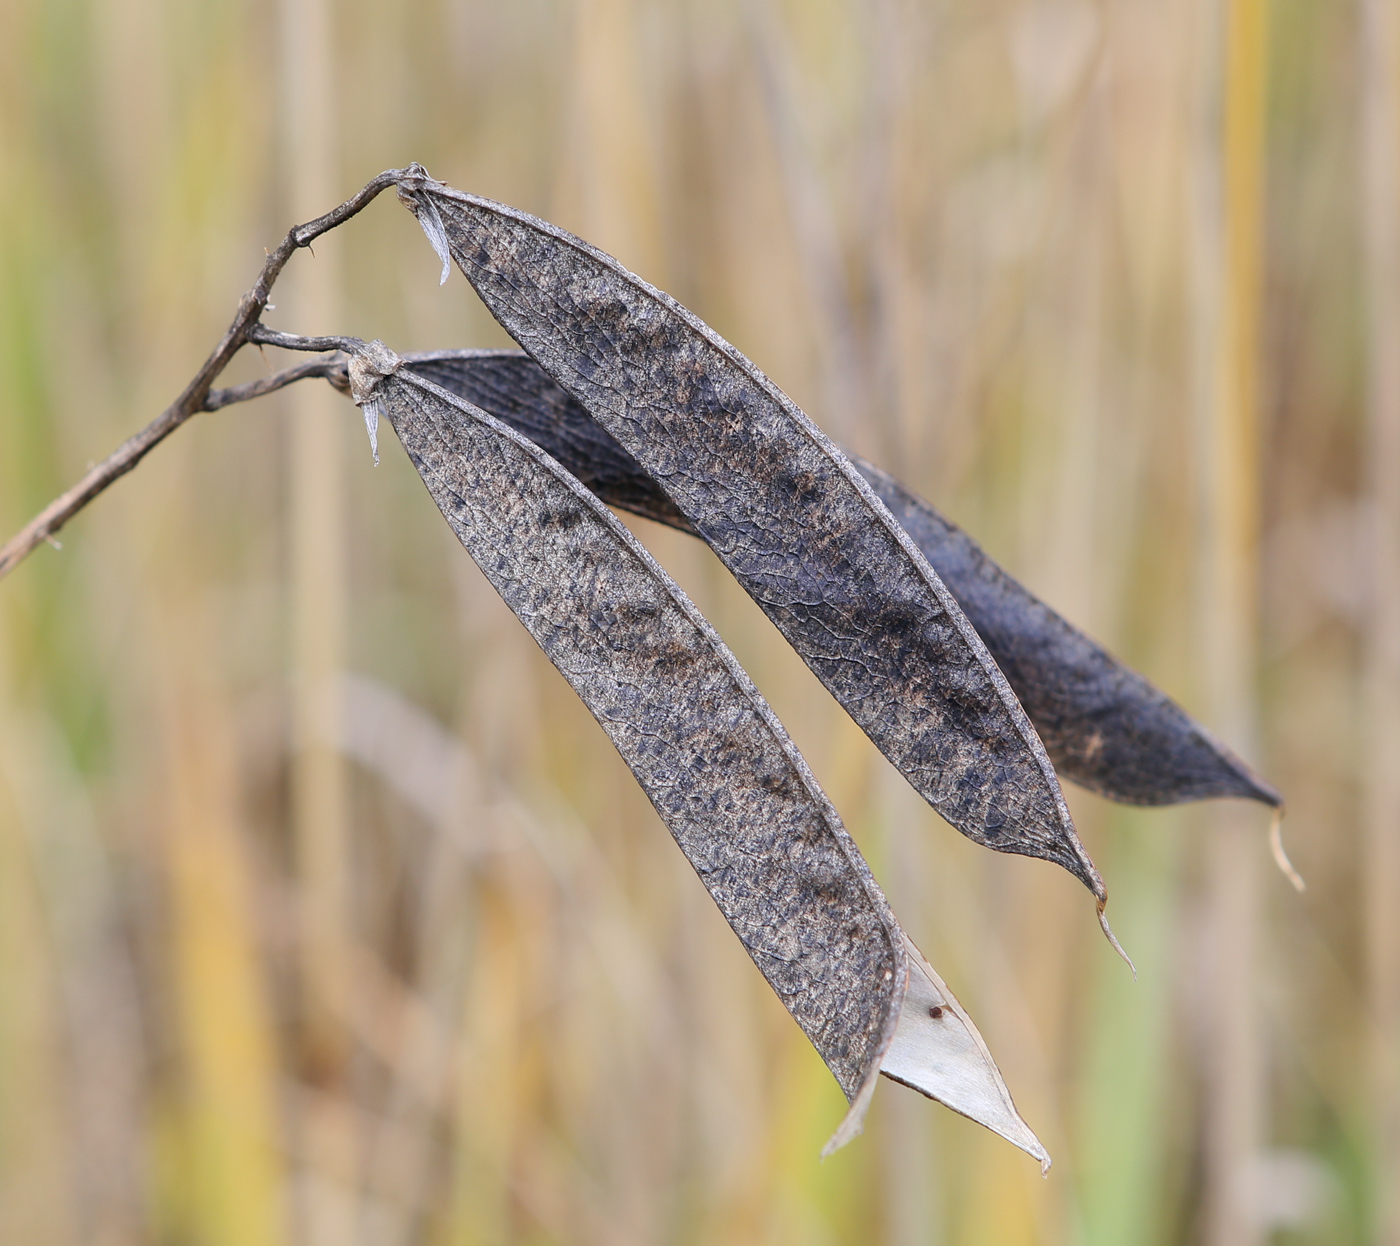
327	915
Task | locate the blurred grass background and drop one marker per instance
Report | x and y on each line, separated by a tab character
327	915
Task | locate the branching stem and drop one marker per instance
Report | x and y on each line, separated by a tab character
310	370
263	336
196	396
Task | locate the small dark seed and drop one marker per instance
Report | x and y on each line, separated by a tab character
935	1012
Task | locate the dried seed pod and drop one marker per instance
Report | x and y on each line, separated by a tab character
785	511
709	753
516	390
1104	726
1102	723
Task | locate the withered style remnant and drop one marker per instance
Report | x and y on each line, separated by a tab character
782	507
704	746
1104	726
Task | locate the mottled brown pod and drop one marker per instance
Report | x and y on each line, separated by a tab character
782	507
1104	726
709	753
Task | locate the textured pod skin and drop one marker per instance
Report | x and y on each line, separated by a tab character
1104	726
701	741
785	511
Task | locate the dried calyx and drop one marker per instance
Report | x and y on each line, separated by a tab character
367	367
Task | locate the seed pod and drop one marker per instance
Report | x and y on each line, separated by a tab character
1103	725
709	753
517	391
785	511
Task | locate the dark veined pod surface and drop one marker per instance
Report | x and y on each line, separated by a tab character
782	507
1104	726
709	753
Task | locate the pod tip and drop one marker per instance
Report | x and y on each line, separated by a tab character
1280	855
1108	933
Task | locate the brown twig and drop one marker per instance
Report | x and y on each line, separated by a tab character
196	396
263	336
217	399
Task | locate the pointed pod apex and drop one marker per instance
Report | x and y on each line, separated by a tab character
1112	938
1088	873
1258	789
938	1051
1280	855
853	1123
